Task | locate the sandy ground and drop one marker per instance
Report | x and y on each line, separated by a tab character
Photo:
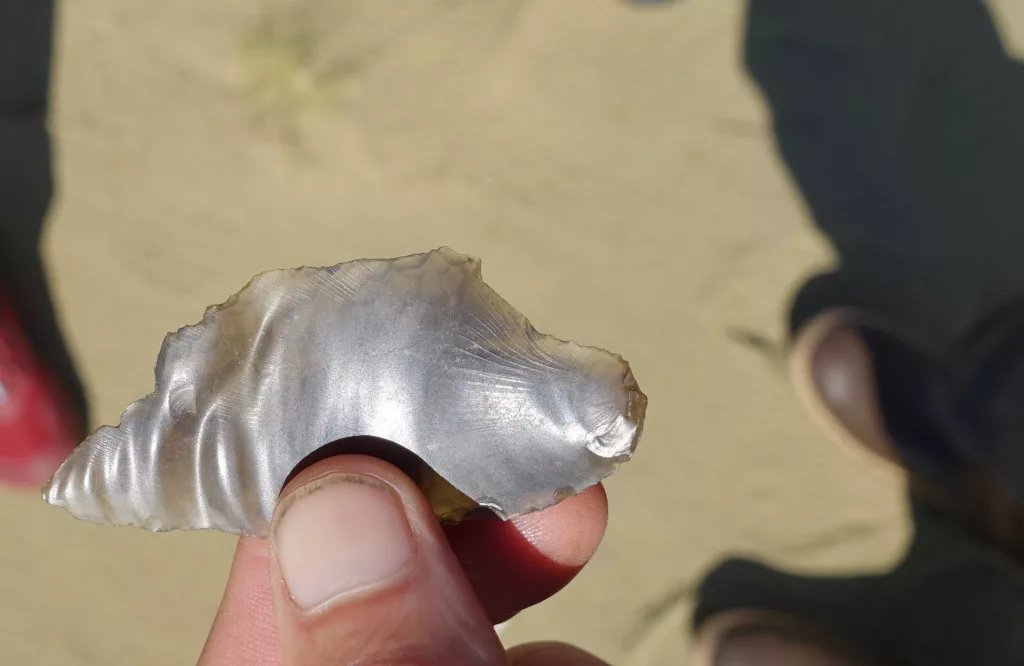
612	166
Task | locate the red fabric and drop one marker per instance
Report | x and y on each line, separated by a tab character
37	429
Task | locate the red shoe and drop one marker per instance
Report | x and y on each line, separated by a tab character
37	429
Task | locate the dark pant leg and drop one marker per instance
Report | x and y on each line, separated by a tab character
26	180
902	122
950	601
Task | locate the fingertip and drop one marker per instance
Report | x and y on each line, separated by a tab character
362	572
569	532
515	564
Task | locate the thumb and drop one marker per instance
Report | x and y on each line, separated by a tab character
361	573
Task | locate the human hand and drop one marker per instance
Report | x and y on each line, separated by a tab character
359	571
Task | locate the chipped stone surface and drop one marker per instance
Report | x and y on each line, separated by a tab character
415	352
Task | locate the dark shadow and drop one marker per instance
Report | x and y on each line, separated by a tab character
449	503
375	447
26	182
949	602
901	123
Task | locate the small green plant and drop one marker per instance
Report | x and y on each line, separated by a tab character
282	71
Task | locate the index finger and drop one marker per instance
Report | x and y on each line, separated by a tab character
517	563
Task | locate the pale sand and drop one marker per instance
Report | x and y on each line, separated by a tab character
613	167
